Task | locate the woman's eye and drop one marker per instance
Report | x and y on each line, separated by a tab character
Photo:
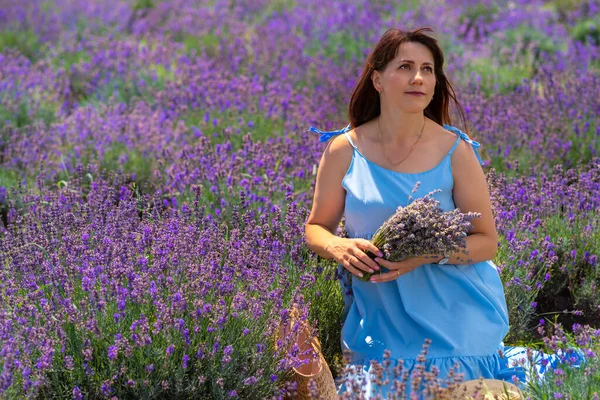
406	65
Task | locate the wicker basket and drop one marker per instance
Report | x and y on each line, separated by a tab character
322	377
488	389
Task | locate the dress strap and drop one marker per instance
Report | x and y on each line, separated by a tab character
347	134
454	146
325	136
461	135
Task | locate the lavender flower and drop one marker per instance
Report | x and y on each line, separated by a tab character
421	228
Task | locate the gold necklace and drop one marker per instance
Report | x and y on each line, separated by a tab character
411	149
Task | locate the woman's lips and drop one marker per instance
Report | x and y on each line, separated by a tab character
416	94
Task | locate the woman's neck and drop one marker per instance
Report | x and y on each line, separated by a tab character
400	129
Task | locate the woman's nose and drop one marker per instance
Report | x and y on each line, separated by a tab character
417	77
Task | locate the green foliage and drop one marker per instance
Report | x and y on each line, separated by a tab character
523	39
405	6
341	46
24	116
135	162
518	299
571	383
583	148
143	4
230	120
584	145
9	178
67	59
119	89
515	55
273	7
482	10
496	78
563	7
574	276
151	79
208	43
163	75
181	382
579	277
587	29
327	306
25	41
118	158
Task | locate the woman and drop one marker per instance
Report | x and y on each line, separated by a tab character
398	135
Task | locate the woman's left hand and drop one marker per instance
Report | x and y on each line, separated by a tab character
396	268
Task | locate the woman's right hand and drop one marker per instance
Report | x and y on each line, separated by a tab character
351	254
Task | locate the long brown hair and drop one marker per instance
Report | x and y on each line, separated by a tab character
365	103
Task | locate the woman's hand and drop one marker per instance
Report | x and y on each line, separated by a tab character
351	254
396	268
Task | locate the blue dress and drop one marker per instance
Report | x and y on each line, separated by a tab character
460	308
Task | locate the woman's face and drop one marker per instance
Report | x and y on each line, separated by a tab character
411	71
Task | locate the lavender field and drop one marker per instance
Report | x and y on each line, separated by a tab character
156	173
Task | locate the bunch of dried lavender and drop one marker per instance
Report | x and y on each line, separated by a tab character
421	228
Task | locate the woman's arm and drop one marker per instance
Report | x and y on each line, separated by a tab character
328	201
327	210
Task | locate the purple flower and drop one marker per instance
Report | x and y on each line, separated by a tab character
558	382
573	254
589	353
69	363
106	389
170	350
112	353
534	253
250	381
200	354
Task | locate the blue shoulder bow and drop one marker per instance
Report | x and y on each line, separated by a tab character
467	139
325	136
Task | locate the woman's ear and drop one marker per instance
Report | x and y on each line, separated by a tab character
376	81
